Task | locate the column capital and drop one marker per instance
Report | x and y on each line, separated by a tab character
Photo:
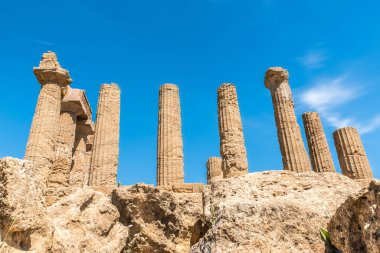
49	71
275	76
76	101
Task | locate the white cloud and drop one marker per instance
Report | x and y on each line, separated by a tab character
313	59
43	42
326	97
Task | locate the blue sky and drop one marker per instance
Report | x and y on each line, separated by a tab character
331	49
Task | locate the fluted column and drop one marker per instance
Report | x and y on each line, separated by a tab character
320	155
170	165
352	156
44	129
214	169
80	171
105	154
294	155
232	146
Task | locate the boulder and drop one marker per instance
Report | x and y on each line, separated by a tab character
159	221
355	227
277	211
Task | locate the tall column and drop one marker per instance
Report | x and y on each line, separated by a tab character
105	154
82	155
42	137
232	146
74	106
352	156
294	156
214	169
320	155
169	142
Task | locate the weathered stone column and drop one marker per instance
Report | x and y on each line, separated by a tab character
105	154
214	169
294	156
44	129
232	146
79	175
169	142
352	156
320	155
74	106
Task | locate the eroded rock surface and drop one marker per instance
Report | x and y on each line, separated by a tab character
159	221
356	225
279	211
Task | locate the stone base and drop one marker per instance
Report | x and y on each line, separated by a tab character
183	188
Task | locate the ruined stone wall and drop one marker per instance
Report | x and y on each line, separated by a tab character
170	165
294	155
105	154
352	156
320	155
232	146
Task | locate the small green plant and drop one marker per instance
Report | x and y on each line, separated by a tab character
118	184
213	215
325	235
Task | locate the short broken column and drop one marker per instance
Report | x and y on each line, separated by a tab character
232	146
294	155
74	107
214	169
105	153
170	166
80	171
45	126
320	155
352	156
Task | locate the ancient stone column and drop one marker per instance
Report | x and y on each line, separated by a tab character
232	146
169	141
294	156
80	171
320	155
105	153
44	129
352	156
214	169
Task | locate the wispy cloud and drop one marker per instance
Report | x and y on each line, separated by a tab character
328	95
313	59
43	42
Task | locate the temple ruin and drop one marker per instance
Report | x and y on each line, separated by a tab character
214	169
170	164
70	150
105	153
294	155
352	156
320	155
232	146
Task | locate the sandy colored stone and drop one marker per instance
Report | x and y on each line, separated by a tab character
276	211
294	155
105	153
44	129
355	227
214	169
352	156
159	221
169	141
80	171
232	146
320	155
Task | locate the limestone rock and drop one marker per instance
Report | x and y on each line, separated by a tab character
22	209
278	211
159	221
355	226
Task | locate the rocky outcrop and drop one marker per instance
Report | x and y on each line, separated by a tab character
159	221
85	221
277	211
356	225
